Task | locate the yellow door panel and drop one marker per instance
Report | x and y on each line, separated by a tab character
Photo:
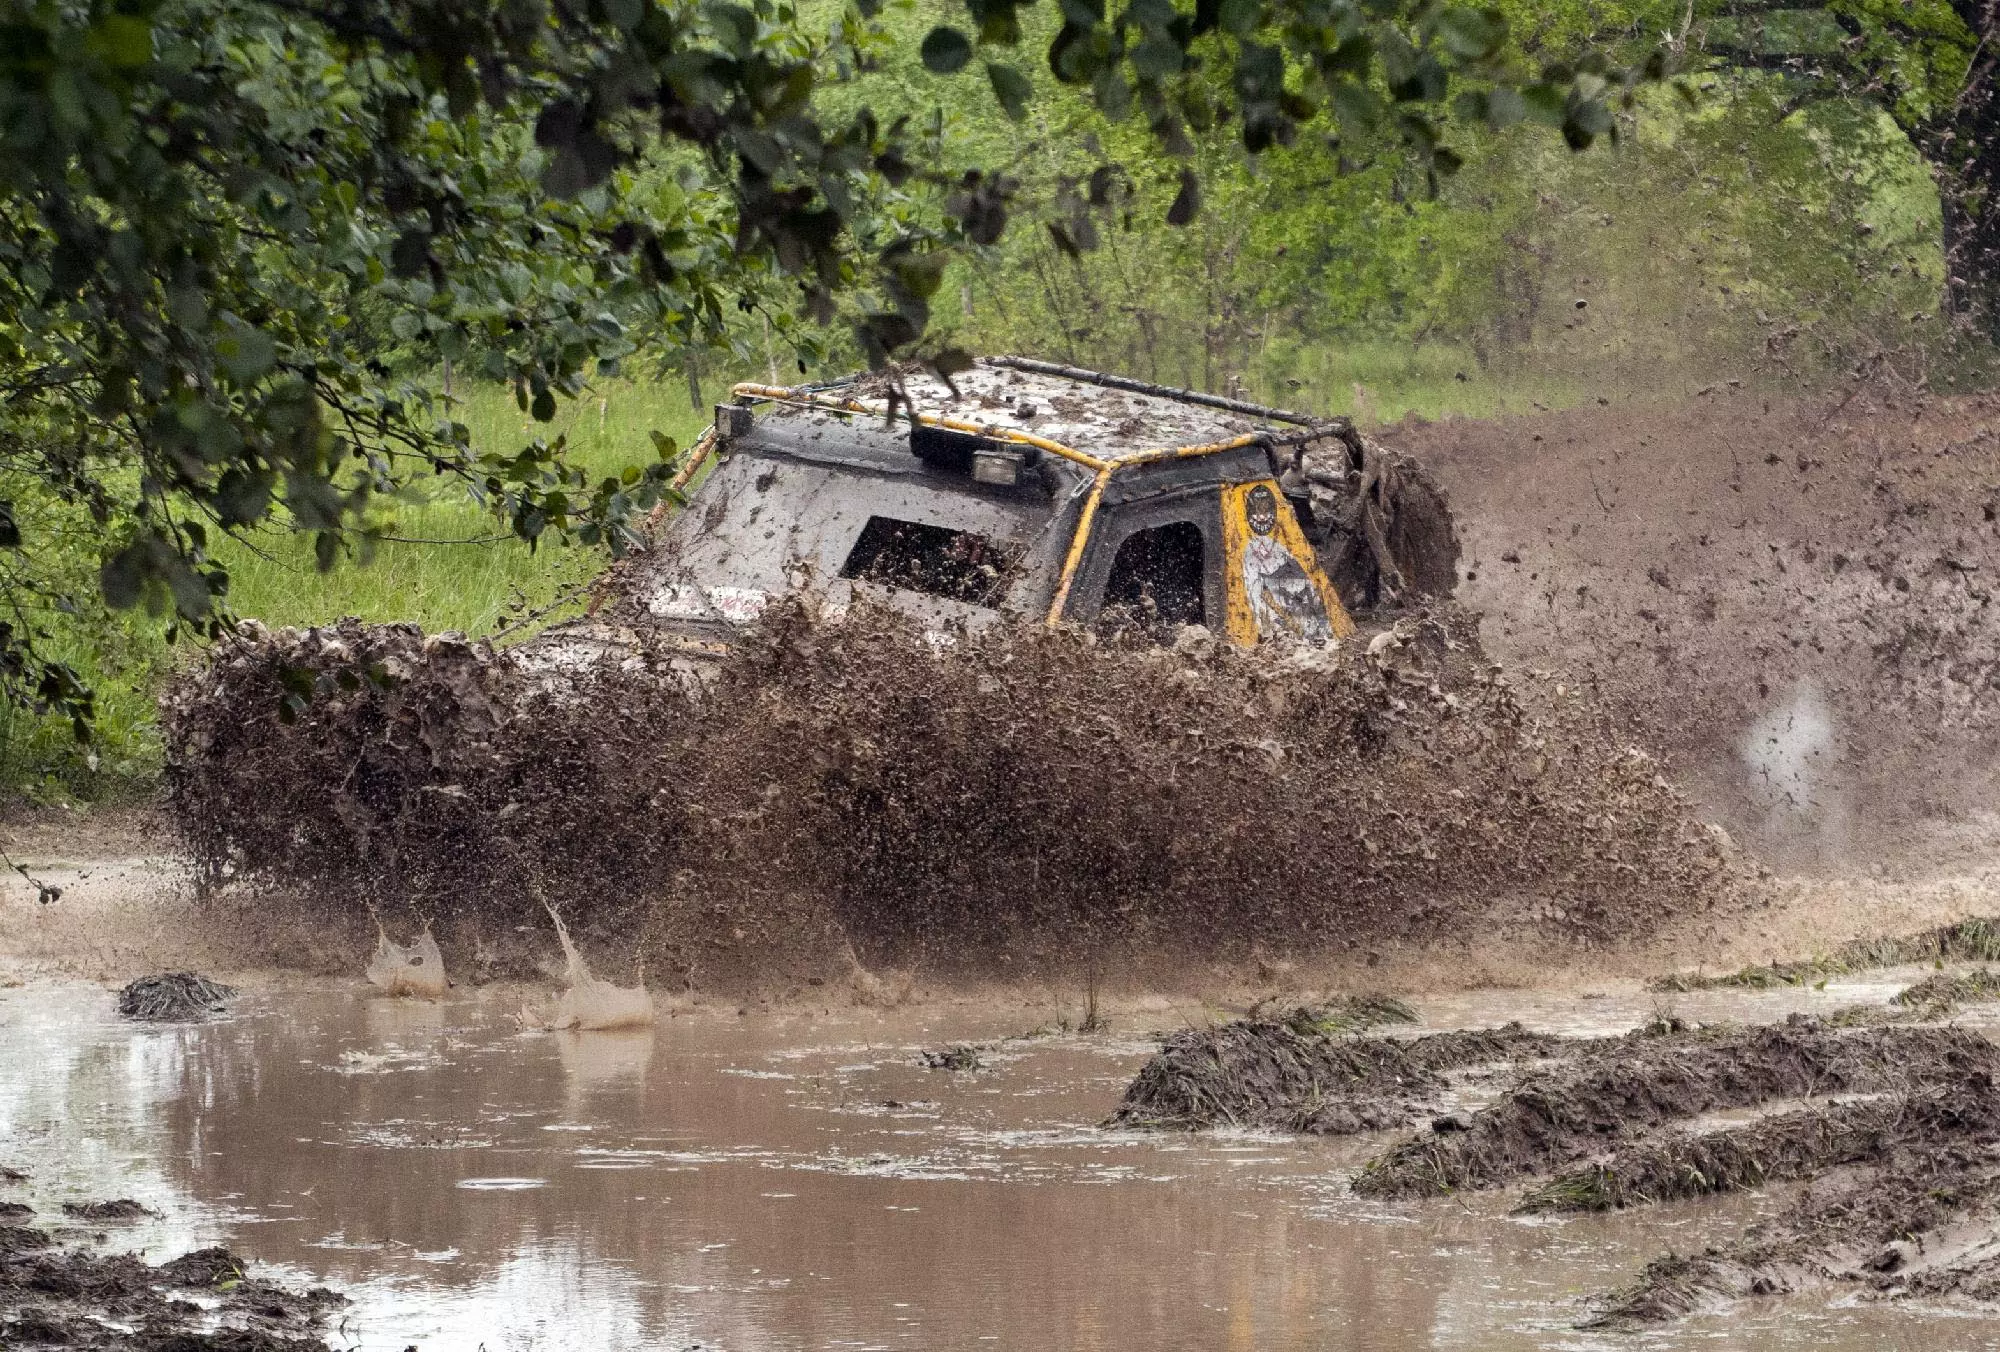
1274	583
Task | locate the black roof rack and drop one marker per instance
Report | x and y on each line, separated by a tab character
1127	383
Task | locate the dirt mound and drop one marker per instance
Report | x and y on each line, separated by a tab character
1287	1075
21	1238
1555	1118
1795	1145
1787	600
78	1299
82	1300
1022	798
118	1209
173	997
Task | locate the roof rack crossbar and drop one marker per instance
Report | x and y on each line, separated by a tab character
1079	373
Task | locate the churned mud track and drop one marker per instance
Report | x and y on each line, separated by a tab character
1920	1224
1558	1117
1788	1146
1277	1074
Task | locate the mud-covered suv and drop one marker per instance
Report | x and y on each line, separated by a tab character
1020	489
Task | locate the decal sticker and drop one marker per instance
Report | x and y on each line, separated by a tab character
1276	588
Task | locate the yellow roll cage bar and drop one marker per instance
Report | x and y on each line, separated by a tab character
1101	469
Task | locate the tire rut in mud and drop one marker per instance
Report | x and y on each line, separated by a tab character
1561	1116
1281	1075
1884	1227
1786	1147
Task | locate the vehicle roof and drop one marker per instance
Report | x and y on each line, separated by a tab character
1110	423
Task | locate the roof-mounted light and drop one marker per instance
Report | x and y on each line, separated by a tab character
1001	468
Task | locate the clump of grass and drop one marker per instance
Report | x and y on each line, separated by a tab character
1349	1014
1974	940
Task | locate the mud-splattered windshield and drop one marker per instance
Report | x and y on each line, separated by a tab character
761	526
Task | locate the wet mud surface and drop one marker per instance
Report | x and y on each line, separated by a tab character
803	1180
205	1301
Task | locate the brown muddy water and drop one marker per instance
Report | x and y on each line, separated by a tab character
799	1180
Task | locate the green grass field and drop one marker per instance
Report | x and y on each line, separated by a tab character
472	587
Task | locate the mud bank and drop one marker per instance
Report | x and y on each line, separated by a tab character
1556	1117
73	1299
1888	1229
1018	802
1275	1074
1778	1149
1976	938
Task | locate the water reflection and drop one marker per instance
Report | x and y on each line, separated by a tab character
792	1183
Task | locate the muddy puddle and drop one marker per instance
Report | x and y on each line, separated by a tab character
800	1180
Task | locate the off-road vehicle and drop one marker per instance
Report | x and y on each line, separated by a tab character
1040	492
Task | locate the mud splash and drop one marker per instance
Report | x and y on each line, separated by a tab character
1017	802
1787	599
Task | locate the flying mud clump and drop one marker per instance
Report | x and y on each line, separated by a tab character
1016	800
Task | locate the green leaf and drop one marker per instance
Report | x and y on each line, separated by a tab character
1241	18
1472	34
1505	107
123	576
1157	56
245	353
544	407
946	50
1545	103
1011	88
123	40
410	253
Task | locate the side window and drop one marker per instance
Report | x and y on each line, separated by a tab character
958	565
1156	579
